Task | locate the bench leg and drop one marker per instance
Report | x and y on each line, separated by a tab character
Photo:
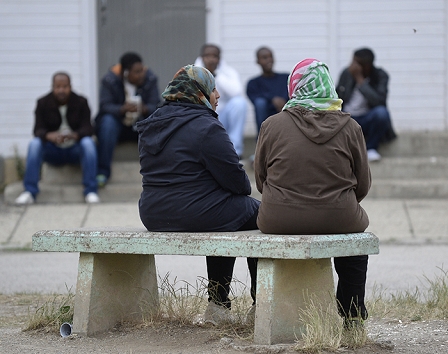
283	287
110	288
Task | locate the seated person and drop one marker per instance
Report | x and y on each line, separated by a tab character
312	170
63	135
363	89
128	93
269	91
232	107
192	178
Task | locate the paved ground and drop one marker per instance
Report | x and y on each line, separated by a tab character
413	236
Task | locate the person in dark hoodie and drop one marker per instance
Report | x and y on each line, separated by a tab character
128	93
312	169
192	178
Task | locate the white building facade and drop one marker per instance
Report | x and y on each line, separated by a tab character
409	38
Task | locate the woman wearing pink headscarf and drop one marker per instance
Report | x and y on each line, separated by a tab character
312	170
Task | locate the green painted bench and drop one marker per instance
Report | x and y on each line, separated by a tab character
117	271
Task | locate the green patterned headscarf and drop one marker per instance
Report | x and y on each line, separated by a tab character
191	84
311	86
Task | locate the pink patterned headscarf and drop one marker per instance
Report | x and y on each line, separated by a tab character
311	86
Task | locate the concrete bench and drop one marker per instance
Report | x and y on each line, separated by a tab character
117	271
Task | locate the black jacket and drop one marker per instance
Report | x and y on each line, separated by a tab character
48	118
192	178
112	95
374	90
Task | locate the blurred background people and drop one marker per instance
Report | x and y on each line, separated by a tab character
62	135
363	89
232	107
128	94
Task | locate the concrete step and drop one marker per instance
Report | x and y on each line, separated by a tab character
409	188
417	144
410	168
73	193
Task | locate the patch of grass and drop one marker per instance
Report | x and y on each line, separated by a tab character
324	329
428	302
179	302
50	315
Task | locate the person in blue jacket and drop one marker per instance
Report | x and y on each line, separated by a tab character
128	93
191	175
268	92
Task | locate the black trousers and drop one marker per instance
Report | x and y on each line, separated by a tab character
220	271
351	288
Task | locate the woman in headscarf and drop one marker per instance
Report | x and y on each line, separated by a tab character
312	170
192	178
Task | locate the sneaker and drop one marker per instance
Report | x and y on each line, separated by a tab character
217	315
373	155
92	198
101	180
24	198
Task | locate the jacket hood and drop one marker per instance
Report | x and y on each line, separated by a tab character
158	128
318	126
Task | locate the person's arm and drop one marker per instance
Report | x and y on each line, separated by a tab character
40	127
221	160
361	167
108	100
85	127
228	81
376	96
150	95
260	165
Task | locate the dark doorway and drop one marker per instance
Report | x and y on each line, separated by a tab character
167	34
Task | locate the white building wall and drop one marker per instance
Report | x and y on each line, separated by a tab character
409	38
38	38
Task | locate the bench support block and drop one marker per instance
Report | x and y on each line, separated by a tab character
111	288
283	287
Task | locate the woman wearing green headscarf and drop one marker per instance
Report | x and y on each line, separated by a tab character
192	178
312	170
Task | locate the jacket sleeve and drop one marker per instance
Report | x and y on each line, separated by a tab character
361	167
376	96
40	128
85	127
260	165
108	99
221	159
150	94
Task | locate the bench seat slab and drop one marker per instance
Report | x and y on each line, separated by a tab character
111	288
283	288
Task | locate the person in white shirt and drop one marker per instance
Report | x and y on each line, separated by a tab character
232	107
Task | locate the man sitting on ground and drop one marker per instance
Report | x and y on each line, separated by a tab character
363	89
63	135
128	93
269	91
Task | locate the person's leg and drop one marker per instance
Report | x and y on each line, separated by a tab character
220	271
251	224
261	111
350	293
233	118
88	164
33	166
108	131
374	125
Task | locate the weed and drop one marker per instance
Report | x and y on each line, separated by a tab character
52	314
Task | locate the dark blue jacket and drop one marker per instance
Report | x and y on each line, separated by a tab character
192	178
112	94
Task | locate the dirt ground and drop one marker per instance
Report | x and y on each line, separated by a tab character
385	336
